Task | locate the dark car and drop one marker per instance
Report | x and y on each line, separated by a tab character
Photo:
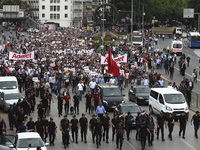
111	96
134	109
139	94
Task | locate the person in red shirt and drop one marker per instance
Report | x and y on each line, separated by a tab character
66	97
96	97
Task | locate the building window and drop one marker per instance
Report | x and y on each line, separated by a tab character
55	1
54	8
51	1
51	8
43	15
66	7
58	16
66	15
58	1
51	16
43	7
58	8
54	16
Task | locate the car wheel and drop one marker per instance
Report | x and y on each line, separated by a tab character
150	110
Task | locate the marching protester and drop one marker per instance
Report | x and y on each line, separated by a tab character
195	121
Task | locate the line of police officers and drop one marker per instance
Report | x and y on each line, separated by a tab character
99	127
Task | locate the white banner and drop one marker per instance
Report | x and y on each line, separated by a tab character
120	59
15	56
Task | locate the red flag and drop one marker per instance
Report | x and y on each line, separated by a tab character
113	68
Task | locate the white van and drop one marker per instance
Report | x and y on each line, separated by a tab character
168	101
9	84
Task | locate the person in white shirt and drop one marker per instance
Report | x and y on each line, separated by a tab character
146	82
80	89
92	86
170	86
112	80
161	82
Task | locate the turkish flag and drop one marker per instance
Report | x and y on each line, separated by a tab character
113	68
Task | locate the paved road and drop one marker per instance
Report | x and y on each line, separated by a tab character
190	143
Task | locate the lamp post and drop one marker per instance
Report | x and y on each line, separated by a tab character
131	23
143	14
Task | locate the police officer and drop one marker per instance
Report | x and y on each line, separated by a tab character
182	123
88	99
151	127
39	127
92	123
119	135
74	128
98	129
52	131
160	125
128	124
195	120
170	123
45	123
62	124
31	125
106	125
60	104
83	125
143	130
65	133
114	123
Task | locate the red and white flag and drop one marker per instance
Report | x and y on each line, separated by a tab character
113	68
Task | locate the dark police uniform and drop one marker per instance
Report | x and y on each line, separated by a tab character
182	122
74	128
83	124
92	124
120	135
106	125
98	127
195	119
52	131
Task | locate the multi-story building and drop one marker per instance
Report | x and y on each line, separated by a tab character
34	9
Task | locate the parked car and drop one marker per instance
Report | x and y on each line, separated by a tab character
139	94
125	107
24	140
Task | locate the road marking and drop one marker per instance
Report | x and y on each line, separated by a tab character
186	143
132	147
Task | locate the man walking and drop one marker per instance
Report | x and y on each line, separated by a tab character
182	123
195	120
93	121
83	125
74	129
160	125
52	131
106	126
120	135
170	123
128	124
98	129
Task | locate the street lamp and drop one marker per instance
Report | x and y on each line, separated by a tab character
131	24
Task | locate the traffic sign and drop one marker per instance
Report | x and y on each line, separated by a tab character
188	13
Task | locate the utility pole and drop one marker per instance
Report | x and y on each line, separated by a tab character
143	14
131	23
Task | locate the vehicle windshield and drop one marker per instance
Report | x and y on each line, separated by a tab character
12	96
132	109
142	90
177	45
137	38
174	98
111	92
8	85
34	142
195	38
